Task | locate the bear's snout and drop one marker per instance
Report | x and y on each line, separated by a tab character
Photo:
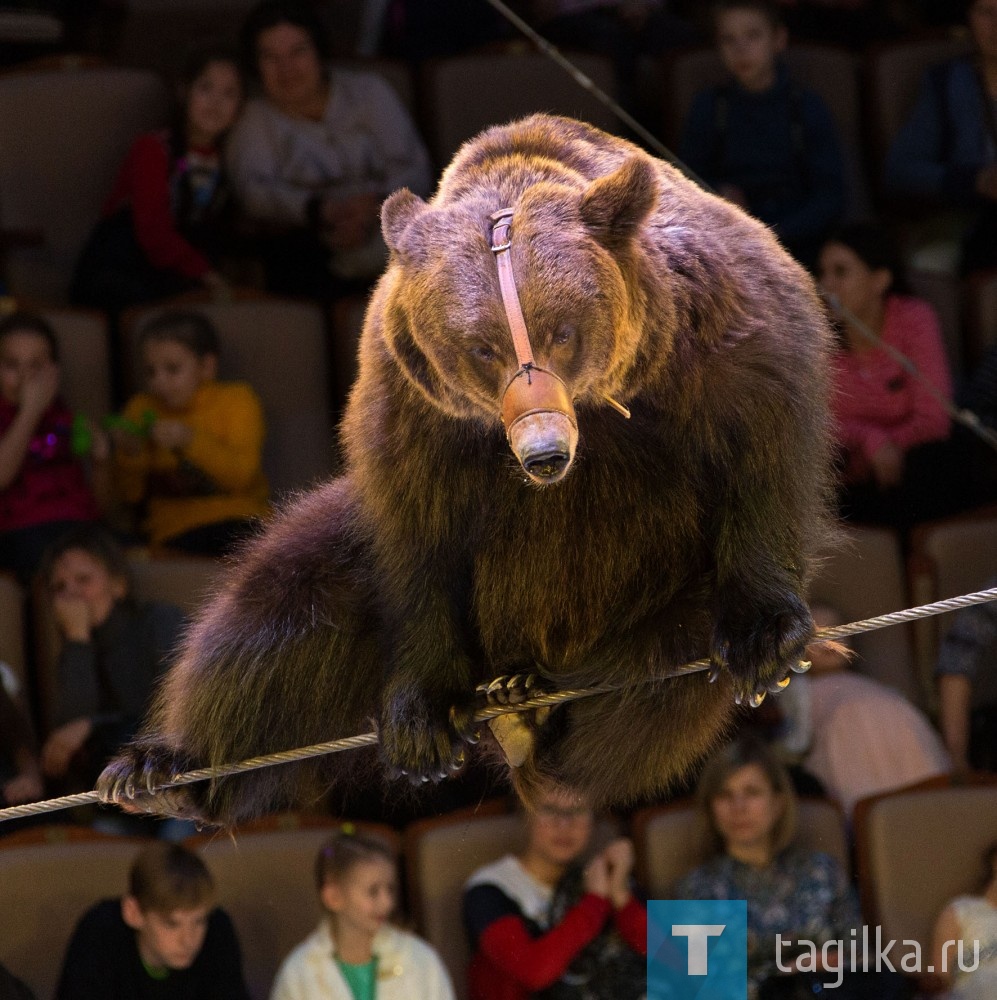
544	443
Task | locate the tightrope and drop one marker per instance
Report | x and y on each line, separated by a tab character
539	701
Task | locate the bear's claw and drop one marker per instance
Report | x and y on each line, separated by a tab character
422	742
135	780
761	644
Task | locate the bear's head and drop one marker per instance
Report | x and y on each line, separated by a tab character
572	249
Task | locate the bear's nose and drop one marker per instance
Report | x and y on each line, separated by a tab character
547	465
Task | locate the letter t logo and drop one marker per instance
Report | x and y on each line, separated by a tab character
698	935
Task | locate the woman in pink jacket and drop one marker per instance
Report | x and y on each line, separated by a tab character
892	424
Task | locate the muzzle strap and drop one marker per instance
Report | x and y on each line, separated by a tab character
502	249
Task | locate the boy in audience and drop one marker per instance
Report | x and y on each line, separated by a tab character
163	939
763	141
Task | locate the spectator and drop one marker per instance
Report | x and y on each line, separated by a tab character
355	946
20	772
892	427
43	483
548	923
164	938
189	449
970	920
113	649
967	687
163	225
747	802
313	159
864	737
762	140
946	154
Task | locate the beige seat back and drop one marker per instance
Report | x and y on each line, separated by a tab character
465	94
265	879
65	136
948	558
670	840
441	856
278	346
830	71
917	849
864	577
85	359
44	890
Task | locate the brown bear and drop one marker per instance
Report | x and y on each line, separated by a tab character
573	545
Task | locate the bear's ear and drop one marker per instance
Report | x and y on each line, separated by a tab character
615	205
397	213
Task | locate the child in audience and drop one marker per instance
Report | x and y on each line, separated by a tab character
892	426
557	920
113	650
189	448
762	140
43	483
970	920
163	221
355	953
164	938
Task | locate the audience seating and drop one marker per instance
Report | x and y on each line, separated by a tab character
981	321
180	580
159	34
347	326
66	133
894	73
863	577
85	360
441	854
12	645
917	848
670	840
464	94
48	877
830	71
279	347
948	558
265	878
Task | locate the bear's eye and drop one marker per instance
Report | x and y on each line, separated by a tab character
564	336
483	352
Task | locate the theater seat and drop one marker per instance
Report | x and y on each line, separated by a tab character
441	855
48	878
918	847
265	877
670	840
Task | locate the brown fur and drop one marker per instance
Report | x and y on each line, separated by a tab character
434	563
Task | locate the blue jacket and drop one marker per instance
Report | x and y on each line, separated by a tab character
946	139
780	146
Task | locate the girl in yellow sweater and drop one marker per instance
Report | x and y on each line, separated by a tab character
188	449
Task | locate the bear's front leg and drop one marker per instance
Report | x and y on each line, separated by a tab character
760	632
427	712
